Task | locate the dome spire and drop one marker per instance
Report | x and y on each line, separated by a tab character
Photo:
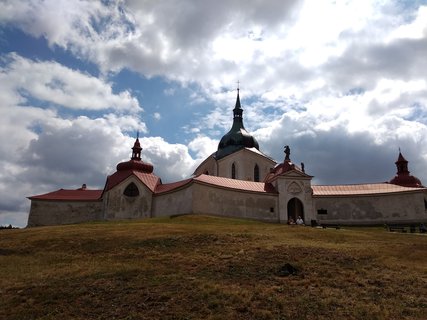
402	164
238	111
237	138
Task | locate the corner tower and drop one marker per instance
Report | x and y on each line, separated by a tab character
128	192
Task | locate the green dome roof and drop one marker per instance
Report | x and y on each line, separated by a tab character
237	138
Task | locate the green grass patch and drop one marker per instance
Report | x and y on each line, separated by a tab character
200	267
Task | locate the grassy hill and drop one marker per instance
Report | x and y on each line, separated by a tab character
198	267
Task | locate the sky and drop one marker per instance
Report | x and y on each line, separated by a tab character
343	83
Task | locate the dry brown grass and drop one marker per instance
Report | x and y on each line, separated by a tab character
197	267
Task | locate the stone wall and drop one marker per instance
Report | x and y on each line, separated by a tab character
48	213
406	207
233	203
173	203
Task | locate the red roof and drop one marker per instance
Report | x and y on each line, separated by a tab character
162	188
360	189
406	180
70	195
148	179
236	184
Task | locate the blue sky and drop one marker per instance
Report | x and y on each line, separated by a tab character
342	82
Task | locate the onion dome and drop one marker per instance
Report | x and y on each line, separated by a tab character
403	177
135	163
237	138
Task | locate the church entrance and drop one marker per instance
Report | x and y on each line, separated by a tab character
295	209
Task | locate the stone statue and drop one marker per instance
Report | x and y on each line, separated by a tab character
287	153
302	167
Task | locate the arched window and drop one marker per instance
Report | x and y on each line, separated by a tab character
256	173
131	190
233	171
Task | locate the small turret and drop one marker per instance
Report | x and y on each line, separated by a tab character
136	149
403	177
135	163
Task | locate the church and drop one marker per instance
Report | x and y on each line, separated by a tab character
237	180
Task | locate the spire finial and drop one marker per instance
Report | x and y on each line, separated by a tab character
238	86
136	149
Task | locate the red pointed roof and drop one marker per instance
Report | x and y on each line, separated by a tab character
148	179
136	167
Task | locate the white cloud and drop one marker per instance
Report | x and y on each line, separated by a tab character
342	82
40	150
59	85
203	147
415	29
171	162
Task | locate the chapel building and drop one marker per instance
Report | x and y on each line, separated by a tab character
237	180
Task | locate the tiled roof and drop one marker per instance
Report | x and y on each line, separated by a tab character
149	179
360	189
70	195
161	188
236	184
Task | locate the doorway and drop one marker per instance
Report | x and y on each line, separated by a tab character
295	209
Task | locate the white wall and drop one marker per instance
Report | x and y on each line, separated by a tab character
177	202
388	208
245	161
49	213
234	203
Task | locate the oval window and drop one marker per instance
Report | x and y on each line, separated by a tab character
131	190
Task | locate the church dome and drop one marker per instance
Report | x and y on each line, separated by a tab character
237	138
135	163
403	177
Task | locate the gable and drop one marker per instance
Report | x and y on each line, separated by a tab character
294	174
149	180
209	162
